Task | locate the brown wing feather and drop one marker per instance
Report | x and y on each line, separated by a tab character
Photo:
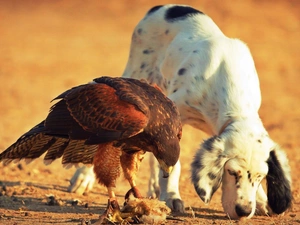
96	113
78	152
21	148
98	109
129	90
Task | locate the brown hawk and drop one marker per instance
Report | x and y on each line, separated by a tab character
109	123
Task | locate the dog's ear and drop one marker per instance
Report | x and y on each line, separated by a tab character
207	168
278	181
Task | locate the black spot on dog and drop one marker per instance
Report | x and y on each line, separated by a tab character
153	9
195	51
174	90
140	31
259	141
197	165
143	65
148	51
208	144
201	192
181	71
211	176
167	32
180	13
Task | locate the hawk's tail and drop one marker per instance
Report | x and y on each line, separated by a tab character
36	142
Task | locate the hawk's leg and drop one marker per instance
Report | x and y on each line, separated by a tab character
130	163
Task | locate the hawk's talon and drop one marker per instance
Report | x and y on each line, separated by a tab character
112	213
133	191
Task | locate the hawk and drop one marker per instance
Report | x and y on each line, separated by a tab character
108	123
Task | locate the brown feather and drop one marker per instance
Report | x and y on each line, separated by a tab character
97	106
107	164
130	163
56	150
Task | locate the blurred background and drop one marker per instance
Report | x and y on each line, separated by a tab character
48	46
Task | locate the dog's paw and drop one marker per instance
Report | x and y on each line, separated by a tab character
82	181
176	205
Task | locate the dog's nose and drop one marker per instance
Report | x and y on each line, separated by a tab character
243	210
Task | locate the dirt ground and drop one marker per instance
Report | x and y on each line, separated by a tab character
47	47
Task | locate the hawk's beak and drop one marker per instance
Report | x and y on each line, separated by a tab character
166	169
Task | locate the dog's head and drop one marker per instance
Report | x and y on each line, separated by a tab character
240	161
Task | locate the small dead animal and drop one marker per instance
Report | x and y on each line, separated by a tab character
139	210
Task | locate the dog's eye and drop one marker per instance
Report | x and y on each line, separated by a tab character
232	173
235	174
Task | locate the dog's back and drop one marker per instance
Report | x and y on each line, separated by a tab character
209	76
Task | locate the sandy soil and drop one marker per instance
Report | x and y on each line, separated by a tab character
49	46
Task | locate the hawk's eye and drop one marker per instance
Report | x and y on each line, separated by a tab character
179	135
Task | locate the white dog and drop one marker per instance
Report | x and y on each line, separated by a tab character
213	81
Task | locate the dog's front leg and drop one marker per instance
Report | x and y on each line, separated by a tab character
169	189
153	185
83	180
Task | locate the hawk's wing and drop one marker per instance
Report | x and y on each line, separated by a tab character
98	113
35	142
